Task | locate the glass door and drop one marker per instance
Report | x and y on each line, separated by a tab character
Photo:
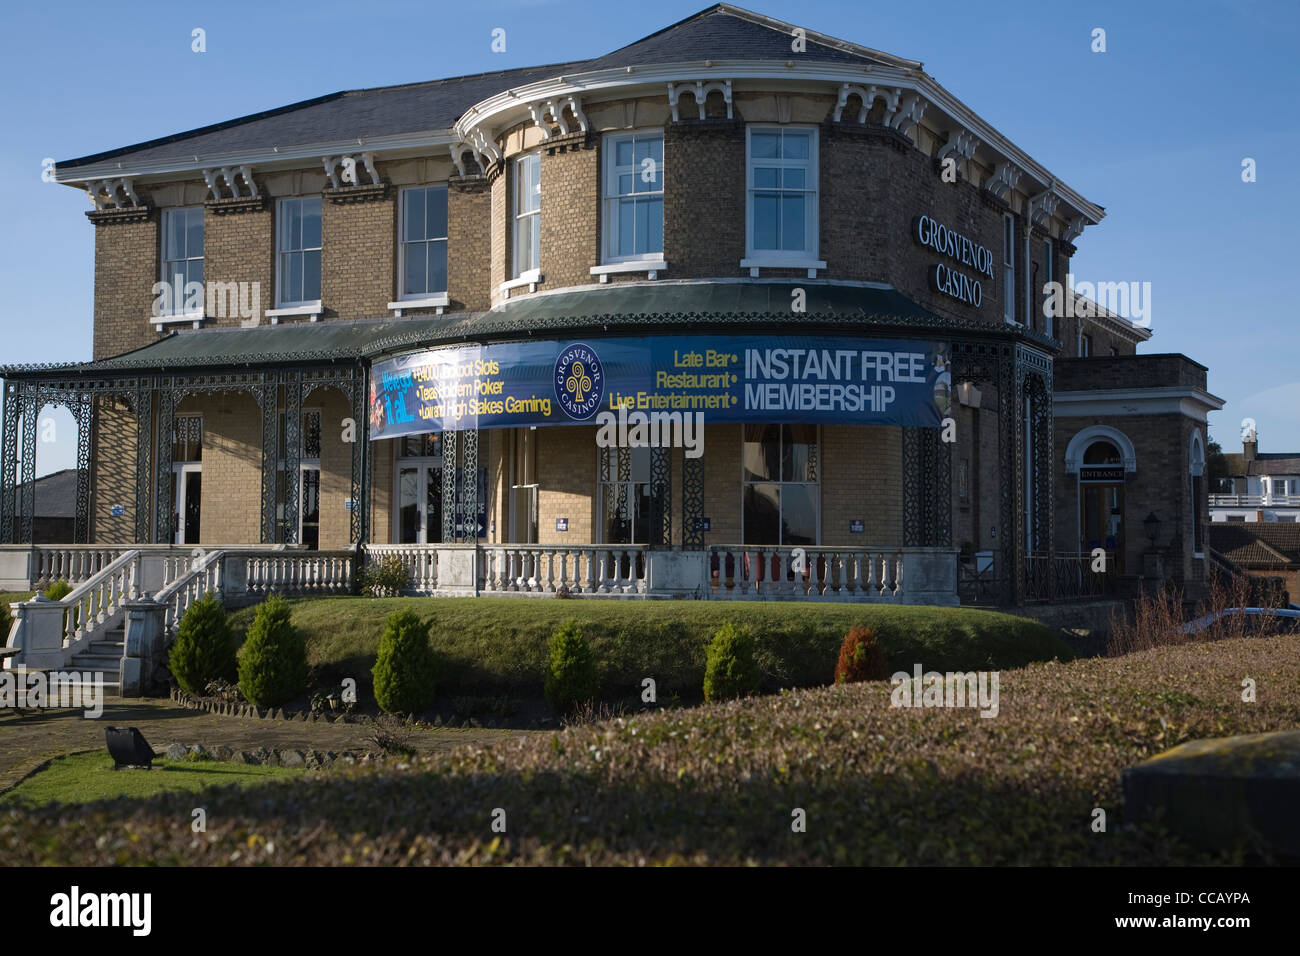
419	503
187	497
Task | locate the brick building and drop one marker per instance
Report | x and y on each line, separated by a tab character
396	316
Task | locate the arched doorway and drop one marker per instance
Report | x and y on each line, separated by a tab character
1101	501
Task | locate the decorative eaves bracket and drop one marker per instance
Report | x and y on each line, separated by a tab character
961	144
1074	229
102	192
1004	180
700	89
332	163
908	115
554	108
1043	206
868	95
231	176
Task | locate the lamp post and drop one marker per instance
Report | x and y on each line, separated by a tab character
1151	524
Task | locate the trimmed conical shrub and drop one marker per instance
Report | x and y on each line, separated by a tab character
204	647
861	657
273	664
730	670
571	675
407	667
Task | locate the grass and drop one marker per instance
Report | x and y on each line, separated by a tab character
717	784
494	646
87	777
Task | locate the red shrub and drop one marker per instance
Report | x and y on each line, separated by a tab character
861	658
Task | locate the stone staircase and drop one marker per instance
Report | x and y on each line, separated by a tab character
103	657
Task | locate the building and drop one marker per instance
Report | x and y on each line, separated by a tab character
1258	487
397	317
1263	549
55	497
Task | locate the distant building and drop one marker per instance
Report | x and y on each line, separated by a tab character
56	507
1263	549
1259	487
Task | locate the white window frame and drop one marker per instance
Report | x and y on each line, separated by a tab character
1009	268
1085	345
422	299
171	314
609	194
806	258
284	306
532	273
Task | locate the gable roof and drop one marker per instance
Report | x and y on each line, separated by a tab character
1257	543
722	32
56	494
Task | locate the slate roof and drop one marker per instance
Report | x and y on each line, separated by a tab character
624	307
1257	543
720	32
1273	463
56	494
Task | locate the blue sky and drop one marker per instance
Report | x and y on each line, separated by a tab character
1155	129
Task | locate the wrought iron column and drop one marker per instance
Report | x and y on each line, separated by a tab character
449	487
469	475
9	467
267	395
83	410
27	506
291	453
359	520
143	460
692	501
164	484
661	497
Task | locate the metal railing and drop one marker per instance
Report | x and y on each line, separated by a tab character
1268	500
1066	577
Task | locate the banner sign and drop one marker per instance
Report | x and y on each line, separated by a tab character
728	379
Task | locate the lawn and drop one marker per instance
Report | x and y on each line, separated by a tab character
87	777
498	645
718	784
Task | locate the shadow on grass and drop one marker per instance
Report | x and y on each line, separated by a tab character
400	817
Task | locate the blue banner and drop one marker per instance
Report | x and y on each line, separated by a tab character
744	378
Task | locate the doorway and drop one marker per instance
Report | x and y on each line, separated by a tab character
188	498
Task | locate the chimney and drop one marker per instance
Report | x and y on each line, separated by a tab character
1249	445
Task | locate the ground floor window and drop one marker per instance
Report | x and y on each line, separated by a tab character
187	472
780	485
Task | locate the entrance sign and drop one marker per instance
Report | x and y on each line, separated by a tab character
754	378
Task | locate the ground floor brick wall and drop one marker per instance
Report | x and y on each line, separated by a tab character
862	478
382	454
1160	485
231	510
566	472
113	454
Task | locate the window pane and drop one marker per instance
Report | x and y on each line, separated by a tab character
765	145
796	145
311	224
798	514
792	222
765	220
437	266
194	233
311	275
291	234
654	210
799	453
291	289
414	213
767	177
626	184
195	271
626	227
640	464
761	452
175	235
416	277
437	217
535	246
623	152
762	515
793	178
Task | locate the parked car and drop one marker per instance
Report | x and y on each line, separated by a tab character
1254	620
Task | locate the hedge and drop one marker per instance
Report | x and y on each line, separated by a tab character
499	645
